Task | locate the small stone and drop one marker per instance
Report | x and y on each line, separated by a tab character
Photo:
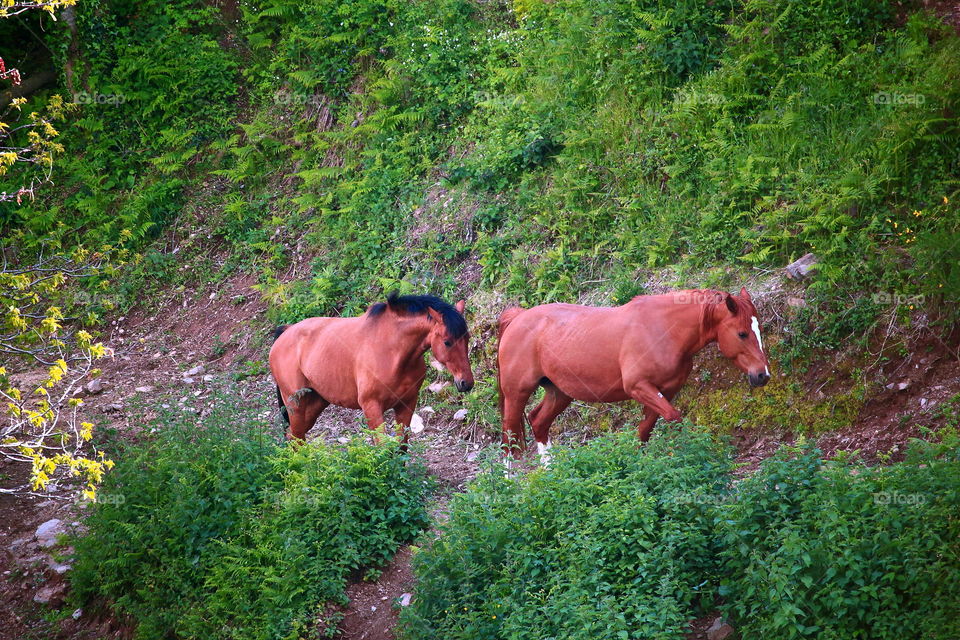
207	378
373	608
416	424
437	387
472	456
94	387
460	415
405	599
903	385
48	531
196	371
50	594
144	389
188	380
76	614
427	410
801	268
793	301
113	407
61	569
719	630
343	440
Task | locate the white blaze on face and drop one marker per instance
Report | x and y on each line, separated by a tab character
544	451
755	325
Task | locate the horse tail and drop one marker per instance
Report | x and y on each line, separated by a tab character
506	317
283	407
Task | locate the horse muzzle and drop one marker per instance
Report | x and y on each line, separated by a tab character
463	385
759	379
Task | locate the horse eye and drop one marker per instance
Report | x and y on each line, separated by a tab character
743	335
446	343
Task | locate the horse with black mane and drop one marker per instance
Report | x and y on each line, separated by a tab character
372	362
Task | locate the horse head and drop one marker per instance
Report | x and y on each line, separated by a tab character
451	350
738	336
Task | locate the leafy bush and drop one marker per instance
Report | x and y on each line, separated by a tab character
834	550
217	531
612	541
620	541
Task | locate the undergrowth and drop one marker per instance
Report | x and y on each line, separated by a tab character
615	540
215	530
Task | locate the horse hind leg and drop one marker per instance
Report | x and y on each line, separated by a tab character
542	417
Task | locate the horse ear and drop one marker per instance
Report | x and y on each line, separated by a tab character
744	293
460	306
731	304
434	314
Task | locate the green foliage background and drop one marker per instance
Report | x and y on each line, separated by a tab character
552	148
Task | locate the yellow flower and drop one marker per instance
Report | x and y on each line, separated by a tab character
945	200
917	213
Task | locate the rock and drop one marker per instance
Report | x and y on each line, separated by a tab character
460	415
416	424
94	387
801	268
405	599
50	594
437	387
196	371
48	531
144	389
76	614
719	630
343	440
903	385
472	456
188	380
114	407
207	378
793	301
61	568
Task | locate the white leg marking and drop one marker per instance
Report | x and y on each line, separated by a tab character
544	451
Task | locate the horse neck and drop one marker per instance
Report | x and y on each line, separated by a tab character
403	339
698	319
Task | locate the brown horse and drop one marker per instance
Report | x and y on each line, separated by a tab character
372	362
642	350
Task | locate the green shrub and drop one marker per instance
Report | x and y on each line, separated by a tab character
842	551
612	541
217	531
615	540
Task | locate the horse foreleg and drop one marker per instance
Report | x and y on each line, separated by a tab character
403	413
655	404
303	409
373	412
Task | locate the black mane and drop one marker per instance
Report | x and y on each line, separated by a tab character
456	325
